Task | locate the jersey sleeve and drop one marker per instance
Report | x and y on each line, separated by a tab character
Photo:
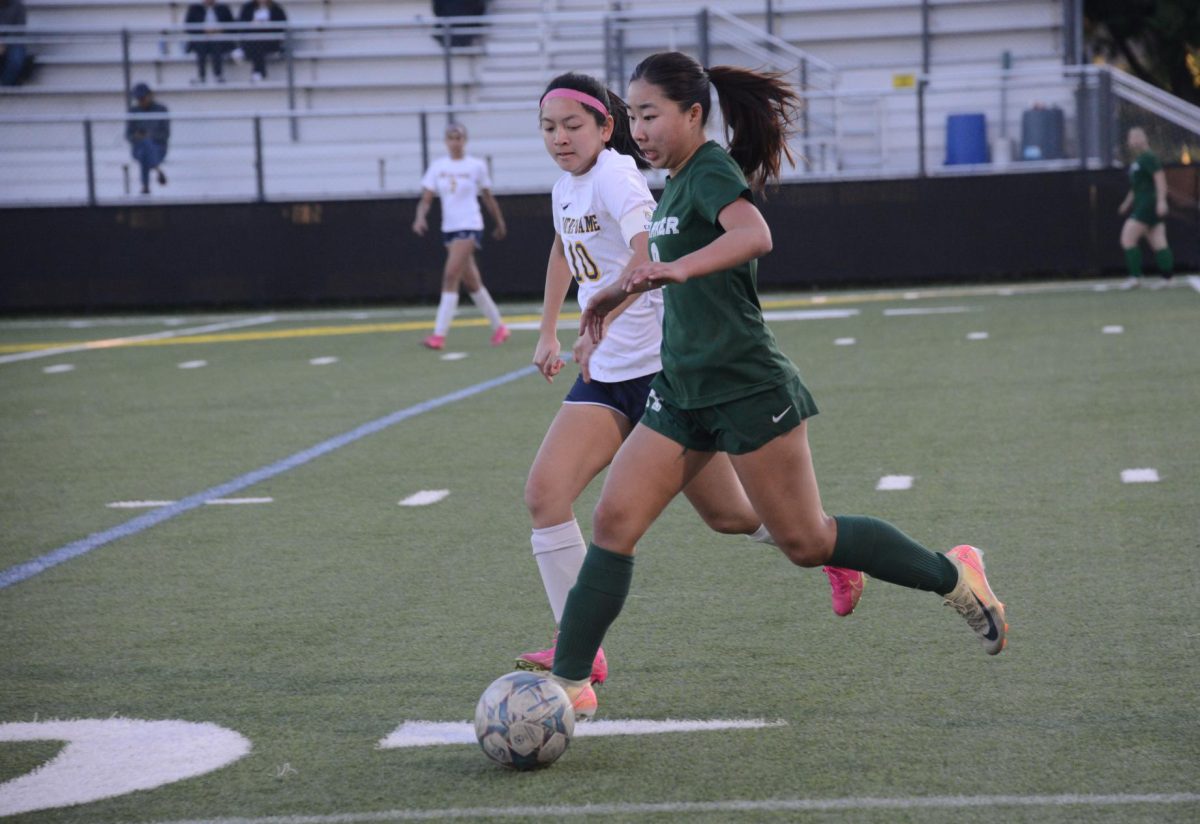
716	187
625	195
1150	163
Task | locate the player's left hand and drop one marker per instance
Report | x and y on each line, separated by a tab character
652	275
500	232
1161	208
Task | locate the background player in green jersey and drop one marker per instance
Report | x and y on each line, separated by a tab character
725	386
1146	205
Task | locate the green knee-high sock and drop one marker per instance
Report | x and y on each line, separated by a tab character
1133	261
884	552
592	605
1165	259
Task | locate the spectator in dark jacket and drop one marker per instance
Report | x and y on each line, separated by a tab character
261	14
148	136
206	18
12	54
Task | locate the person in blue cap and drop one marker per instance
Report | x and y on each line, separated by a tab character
147	135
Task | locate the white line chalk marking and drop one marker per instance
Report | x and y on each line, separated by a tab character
844	342
115	756
1139	476
425	497
436	733
216	502
59	368
323	361
977	336
890	483
1113	330
931	310
453	356
809	314
684	808
107	344
193	364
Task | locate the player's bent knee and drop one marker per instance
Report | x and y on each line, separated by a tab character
806	551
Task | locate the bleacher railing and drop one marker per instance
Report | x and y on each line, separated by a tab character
899	132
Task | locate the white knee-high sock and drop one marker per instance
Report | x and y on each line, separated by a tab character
559	552
483	300
447	306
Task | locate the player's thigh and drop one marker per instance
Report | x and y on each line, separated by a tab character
649	470
581	441
717	496
1131	233
781	483
458	258
1157	236
470	275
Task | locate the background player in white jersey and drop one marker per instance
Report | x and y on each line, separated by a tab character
460	181
601	208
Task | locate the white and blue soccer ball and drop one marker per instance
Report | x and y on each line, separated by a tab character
524	720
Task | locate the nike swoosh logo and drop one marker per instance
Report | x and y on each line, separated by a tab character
779	417
993	633
565	206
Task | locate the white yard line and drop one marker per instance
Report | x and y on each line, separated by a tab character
782	805
87	346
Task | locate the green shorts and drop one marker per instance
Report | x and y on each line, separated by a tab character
738	426
1149	216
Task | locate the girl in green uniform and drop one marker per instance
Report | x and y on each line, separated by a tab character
1146	205
725	386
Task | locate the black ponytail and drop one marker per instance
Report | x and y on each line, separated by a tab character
759	108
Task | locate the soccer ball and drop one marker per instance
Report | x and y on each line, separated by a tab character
524	720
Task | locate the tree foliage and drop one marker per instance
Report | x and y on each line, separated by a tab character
1156	40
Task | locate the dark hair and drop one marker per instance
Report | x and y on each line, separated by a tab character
759	107
621	139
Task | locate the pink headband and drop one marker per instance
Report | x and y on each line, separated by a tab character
582	97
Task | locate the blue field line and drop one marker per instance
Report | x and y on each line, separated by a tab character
25	571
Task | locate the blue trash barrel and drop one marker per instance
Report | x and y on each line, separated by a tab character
966	139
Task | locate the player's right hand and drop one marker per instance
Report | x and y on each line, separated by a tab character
546	359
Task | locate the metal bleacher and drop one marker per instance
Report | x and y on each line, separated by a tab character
356	105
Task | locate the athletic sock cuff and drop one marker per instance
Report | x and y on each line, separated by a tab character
554	538
606	572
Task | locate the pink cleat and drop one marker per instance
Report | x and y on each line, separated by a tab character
847	586
434	342
543	661
583	697
500	335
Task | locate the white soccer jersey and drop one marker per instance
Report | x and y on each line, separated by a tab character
458	184
596	214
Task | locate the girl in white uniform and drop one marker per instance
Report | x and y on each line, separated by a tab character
460	182
601	209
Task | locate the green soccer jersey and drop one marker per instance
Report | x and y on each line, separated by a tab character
716	346
1141	181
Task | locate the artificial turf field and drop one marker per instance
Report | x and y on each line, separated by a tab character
298	629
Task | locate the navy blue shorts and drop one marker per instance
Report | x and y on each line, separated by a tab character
627	397
464	234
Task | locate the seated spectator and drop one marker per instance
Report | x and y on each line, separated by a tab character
148	136
458	8
12	54
261	13
207	18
